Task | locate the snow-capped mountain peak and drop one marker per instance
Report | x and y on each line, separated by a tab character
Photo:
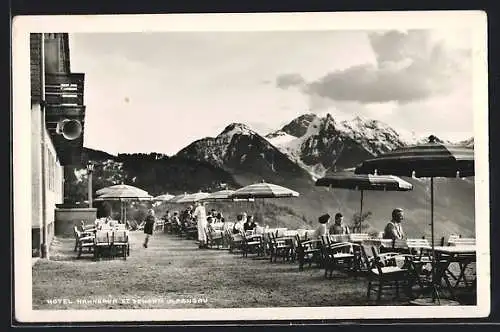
237	128
318	143
374	136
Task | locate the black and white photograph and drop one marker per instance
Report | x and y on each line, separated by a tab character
251	167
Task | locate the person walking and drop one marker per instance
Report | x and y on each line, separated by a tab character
149	224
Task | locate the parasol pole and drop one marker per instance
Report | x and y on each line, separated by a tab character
432	214
434	265
361	211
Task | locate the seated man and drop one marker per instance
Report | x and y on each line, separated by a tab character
393	230
338	227
249	225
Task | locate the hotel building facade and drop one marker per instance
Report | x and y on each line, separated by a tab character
57	128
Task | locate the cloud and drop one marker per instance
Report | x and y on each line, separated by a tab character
410	66
286	81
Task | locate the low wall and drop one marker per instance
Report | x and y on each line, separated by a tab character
67	218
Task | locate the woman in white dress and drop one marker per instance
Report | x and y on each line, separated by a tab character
200	214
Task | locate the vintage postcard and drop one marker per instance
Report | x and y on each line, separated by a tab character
245	167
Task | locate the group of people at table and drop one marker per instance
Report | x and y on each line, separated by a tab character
213	222
393	230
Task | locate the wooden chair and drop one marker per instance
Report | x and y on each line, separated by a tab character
384	275
191	232
338	256
367	256
76	234
267	243
120	243
252	244
159	225
236	242
226	240
102	243
307	251
280	247
83	240
215	238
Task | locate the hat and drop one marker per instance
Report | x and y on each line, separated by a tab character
324	218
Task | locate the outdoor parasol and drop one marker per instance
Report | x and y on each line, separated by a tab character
192	198
163	198
123	192
425	160
221	195
176	199
263	190
362	182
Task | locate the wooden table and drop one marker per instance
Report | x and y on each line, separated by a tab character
445	255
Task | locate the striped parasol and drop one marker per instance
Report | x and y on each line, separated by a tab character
349	180
192	198
164	198
176	199
264	190
122	191
362	182
431	160
222	195
426	160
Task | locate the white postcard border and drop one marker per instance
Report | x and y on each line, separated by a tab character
22	26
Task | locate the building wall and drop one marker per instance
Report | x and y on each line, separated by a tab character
54	175
56	60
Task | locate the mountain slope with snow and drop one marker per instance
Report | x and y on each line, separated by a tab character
243	152
319	144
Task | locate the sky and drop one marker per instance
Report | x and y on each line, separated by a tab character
158	92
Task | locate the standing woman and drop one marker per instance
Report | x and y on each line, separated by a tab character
200	214
149	224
